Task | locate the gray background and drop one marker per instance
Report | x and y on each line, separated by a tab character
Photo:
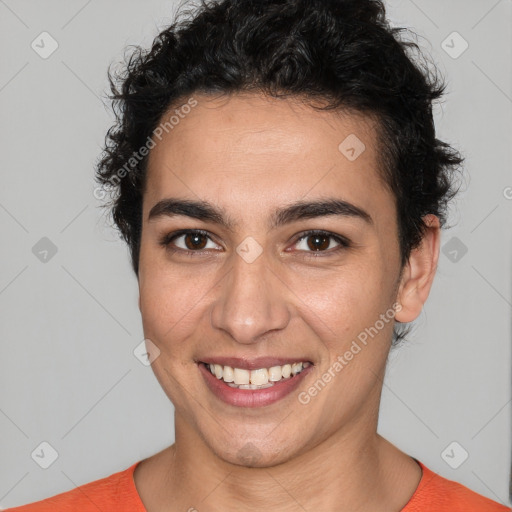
69	325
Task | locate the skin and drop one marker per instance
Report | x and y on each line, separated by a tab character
249	154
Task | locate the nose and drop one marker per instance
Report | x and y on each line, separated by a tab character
252	301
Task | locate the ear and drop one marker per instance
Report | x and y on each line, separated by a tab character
419	271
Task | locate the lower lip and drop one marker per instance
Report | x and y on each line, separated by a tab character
251	397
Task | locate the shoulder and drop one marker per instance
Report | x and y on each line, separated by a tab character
440	494
114	493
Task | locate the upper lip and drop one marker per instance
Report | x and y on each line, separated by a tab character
252	363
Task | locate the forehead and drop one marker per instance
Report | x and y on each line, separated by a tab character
254	147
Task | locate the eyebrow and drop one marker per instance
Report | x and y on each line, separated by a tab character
207	212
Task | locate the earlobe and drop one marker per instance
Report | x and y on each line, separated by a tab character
419	272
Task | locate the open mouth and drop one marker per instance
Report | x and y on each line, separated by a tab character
260	378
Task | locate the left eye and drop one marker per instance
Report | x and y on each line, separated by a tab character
320	241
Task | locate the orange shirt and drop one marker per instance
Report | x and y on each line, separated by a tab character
117	493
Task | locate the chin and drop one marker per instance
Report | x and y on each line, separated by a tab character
255	453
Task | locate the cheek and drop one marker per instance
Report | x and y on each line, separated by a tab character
345	299
345	314
170	307
172	300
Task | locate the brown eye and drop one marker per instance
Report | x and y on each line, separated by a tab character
318	242
188	241
321	241
194	241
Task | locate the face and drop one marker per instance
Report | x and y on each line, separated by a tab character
249	288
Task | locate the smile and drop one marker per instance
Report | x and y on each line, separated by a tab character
257	384
259	378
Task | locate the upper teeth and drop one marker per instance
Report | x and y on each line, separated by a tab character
259	376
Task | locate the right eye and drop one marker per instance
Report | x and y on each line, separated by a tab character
192	241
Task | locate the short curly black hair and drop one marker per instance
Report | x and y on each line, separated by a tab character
332	54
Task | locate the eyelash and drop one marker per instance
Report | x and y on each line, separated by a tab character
166	240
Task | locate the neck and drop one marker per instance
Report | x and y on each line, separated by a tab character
355	470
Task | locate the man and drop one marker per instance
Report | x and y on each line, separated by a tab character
277	177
